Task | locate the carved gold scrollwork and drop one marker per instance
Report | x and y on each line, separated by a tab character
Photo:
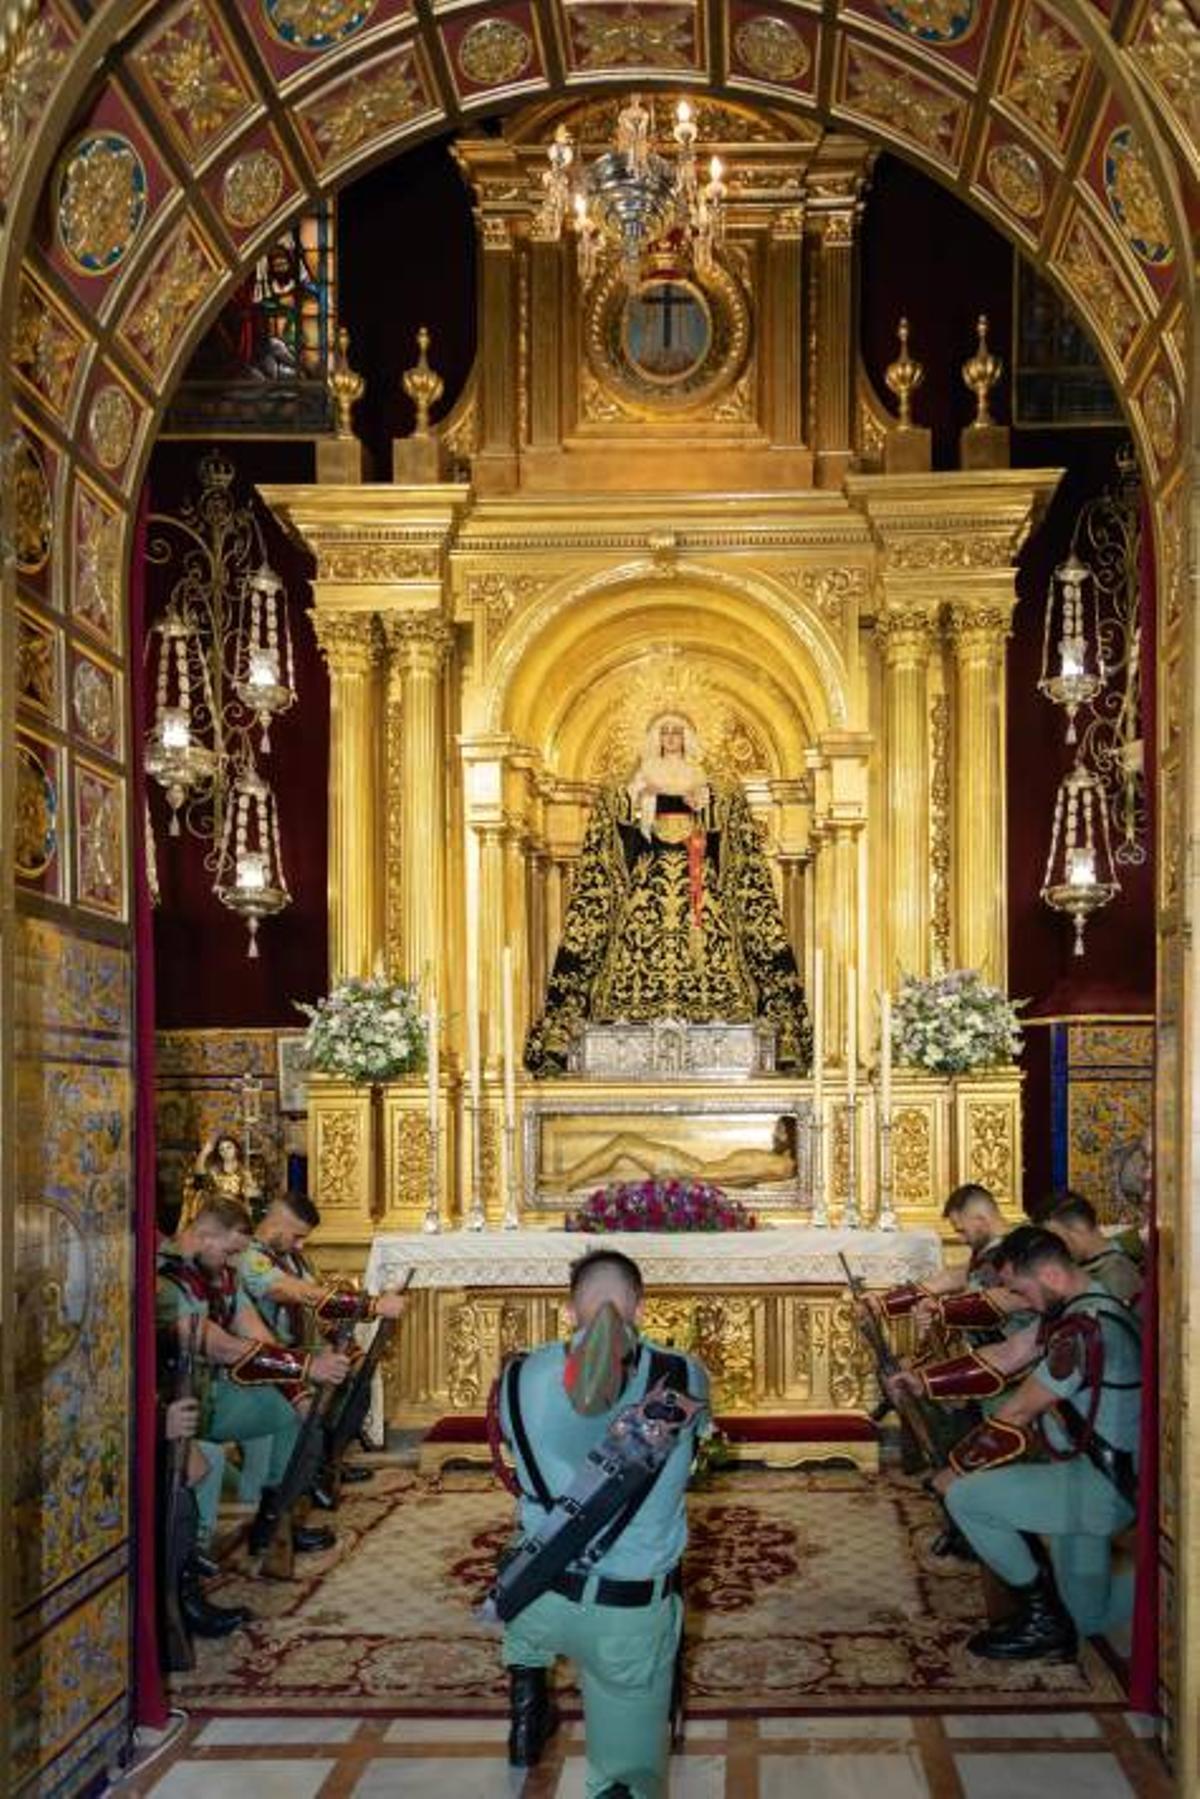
912	1156
463	1345
939	829
847	1358
991	1157
349	641
337	1160
410	1161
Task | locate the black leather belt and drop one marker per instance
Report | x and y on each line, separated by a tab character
617	1592
1117	1466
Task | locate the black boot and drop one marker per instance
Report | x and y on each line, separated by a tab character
351	1473
950	1541
1040	1629
262	1525
533	1715
619	1791
203	1619
307	1537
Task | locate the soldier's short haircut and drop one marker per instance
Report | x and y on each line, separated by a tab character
608	1260
226	1214
971	1193
1031	1247
302	1209
1065	1206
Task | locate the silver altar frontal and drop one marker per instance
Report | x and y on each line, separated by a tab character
766	1310
673	1049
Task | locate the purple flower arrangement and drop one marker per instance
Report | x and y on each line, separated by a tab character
655	1205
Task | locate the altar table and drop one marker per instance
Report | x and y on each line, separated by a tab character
767	1311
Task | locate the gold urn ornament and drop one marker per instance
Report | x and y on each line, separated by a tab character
903	377
423	385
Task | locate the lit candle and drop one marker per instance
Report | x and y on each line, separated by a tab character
264	668
818	1032
431	1060
885	1057
251	871
851	1031
510	1063
1081	867
174	731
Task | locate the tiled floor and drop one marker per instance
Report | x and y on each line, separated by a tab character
1078	1755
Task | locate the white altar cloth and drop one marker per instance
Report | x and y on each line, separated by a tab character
772	1256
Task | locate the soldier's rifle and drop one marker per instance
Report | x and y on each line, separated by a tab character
352	1413
179	1517
273	1553
887	1363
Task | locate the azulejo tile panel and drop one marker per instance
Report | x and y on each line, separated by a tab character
71	1323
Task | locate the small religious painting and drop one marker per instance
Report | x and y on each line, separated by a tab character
667	329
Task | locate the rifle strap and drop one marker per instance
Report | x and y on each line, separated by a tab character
664	1366
512	1393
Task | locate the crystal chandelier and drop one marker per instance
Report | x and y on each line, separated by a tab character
222	668
1080	878
633	194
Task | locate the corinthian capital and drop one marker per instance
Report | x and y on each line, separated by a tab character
417	639
977	632
349	641
905	634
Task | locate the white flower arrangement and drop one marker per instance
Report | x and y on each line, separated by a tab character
365	1030
953	1022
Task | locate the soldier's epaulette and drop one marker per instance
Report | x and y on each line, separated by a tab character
992	1444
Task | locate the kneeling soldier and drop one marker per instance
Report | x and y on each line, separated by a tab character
1080	1404
251	1384
617	1612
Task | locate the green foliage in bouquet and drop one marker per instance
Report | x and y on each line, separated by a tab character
365	1030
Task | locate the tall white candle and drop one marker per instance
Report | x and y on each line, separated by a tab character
818	1031
431	1059
851	1031
473	1057
885	1057
510	1061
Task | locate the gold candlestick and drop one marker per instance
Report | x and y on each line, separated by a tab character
981	372
903	377
344	383
422	385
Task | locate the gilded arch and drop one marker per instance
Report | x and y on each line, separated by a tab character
89	387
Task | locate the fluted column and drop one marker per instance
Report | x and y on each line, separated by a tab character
491	939
843	846
905	637
417	645
349	643
977	637
836	337
516	924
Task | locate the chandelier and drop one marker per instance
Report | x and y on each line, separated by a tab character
1079	875
633	194
221	666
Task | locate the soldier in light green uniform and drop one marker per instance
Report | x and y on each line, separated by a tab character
620	1625
1074	1219
245	1386
1084	1398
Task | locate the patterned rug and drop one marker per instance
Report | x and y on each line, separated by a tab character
806	1592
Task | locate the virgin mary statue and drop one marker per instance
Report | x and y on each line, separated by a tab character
672	914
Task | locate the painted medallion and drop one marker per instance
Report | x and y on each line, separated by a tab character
316	24
1134	199
102	198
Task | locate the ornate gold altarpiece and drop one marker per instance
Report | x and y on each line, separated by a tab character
497	643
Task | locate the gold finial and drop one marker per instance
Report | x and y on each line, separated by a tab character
422	385
903	377
981	373
343	383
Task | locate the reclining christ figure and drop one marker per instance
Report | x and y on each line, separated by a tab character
628	1156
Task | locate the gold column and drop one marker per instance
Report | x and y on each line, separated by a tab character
905	638
836	338
785	290
349	644
516	924
418	643
496	460
545	368
491	940
843	845
977	635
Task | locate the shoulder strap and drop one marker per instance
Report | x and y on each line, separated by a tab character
673	1369
512	1393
